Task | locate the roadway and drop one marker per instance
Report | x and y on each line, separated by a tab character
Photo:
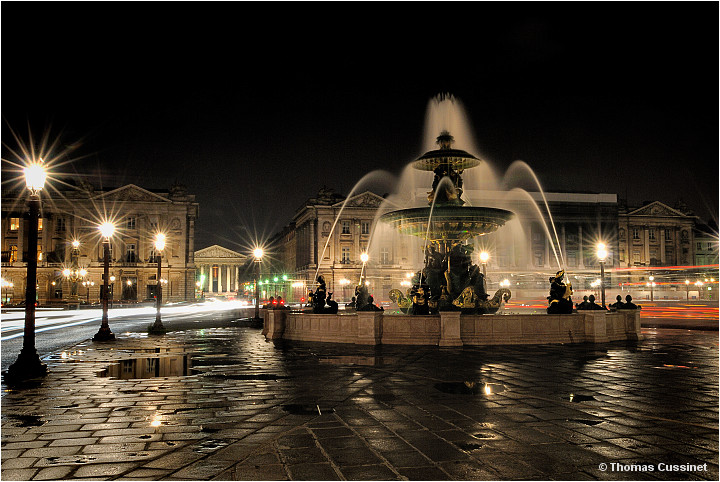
56	329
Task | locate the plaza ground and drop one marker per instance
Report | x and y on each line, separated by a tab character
240	408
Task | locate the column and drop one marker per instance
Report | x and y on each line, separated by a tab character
237	276
547	253
220	286
646	244
581	254
661	233
562	242
227	268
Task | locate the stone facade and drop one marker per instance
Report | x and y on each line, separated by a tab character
75	214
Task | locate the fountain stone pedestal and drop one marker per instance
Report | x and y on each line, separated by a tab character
369	327
450	329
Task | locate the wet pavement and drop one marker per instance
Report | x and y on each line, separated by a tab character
224	404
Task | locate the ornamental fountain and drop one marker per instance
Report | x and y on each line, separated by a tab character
449	281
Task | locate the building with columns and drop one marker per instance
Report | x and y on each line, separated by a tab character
218	271
69	215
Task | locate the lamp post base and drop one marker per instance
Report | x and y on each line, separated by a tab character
157	329
26	367
104	334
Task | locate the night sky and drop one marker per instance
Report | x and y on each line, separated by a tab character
256	106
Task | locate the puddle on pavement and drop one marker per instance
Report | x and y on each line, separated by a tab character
138	368
243	376
485	436
468	446
470	388
306	409
375	361
586	422
26	420
580	398
209	445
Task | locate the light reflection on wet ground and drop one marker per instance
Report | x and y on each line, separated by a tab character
229	391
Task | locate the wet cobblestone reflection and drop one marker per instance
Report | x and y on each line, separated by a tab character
236	407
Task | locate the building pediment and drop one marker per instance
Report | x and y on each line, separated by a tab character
657	209
217	252
131	192
366	199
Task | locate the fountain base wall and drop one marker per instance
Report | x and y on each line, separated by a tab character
450	329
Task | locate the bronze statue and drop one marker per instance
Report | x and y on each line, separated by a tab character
560	301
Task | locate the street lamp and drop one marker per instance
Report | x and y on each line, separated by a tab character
258	254
112	290
6	284
28	364
699	285
104	334
651	284
158	328
687	289
602	255
364	258
88	284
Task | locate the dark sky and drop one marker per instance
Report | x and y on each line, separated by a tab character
255	106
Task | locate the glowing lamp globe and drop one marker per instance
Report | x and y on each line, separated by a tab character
107	230
35	176
160	241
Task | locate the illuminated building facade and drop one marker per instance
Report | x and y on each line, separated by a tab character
218	271
74	214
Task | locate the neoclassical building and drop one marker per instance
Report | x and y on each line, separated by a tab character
218	270
74	214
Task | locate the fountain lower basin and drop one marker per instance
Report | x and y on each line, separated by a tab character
451	329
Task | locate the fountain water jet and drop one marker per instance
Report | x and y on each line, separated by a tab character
449	281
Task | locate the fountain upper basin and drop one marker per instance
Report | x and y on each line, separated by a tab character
448	222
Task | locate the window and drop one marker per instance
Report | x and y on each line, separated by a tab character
537	236
128	366
385	255
130	256
345	227
636	233
39	252
130	222
668	237
40	224
345	256
651	234
699	246
365	227
151	365
13	253
60	225
14	224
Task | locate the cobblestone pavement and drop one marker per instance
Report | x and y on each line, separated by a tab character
241	408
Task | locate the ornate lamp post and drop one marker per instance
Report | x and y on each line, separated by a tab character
364	258
687	289
158	328
651	284
104	334
88	284
602	255
258	254
112	289
5	284
28	364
